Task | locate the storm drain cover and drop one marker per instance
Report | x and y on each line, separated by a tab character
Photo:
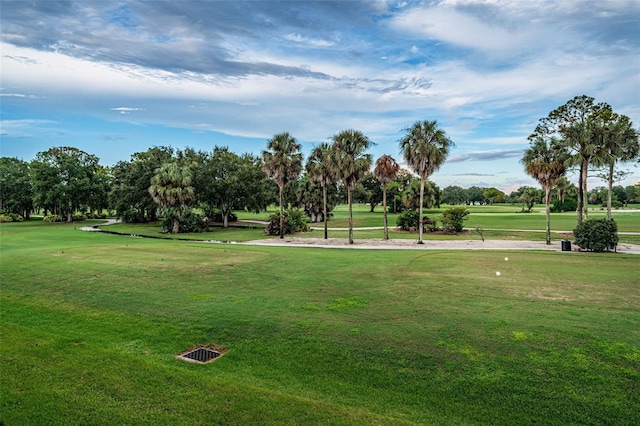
200	355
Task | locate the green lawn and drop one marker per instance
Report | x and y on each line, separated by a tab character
90	324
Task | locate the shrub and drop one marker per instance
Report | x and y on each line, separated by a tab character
11	217
133	216
295	220
408	220
596	235
429	225
52	218
453	218
189	222
569	205
78	217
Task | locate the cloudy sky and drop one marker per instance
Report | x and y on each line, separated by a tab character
117	77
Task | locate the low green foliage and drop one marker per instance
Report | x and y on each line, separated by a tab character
453	219
190	222
596	235
50	218
295	220
408	220
10	217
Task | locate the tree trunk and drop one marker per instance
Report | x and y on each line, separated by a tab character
420	224
547	202
580	192
384	211
324	210
585	193
225	219
611	164
281	214
176	226
350	216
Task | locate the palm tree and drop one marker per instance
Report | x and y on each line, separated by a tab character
562	186
321	170
282	163
386	171
425	148
545	162
171	189
351	163
618	141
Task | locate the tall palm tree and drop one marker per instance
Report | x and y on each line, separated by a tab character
425	148
386	171
562	186
283	164
544	161
171	189
351	163
321	170
618	141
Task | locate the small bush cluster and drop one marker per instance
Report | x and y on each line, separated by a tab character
569	205
453	218
190	222
10	217
408	220
133	216
78	217
97	216
295	220
52	218
596	235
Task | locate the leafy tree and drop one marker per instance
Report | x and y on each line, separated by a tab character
368	191
130	184
321	170
64	180
618	141
425	148
351	163
228	182
386	171
171	189
544	161
282	163
475	194
493	195
453	194
576	123
411	195
16	191
632	193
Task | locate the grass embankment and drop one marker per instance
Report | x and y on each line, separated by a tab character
91	323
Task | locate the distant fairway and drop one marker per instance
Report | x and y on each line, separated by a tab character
91	324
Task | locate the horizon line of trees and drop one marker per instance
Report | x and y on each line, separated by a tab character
170	183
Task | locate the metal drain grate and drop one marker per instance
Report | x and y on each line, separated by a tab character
201	355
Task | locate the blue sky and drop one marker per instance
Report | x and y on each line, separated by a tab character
117	77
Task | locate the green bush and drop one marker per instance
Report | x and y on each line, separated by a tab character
429	225
569	205
453	218
596	235
295	220
78	217
408	220
11	217
189	222
133	216
52	218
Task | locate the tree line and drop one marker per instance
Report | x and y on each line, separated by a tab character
166	183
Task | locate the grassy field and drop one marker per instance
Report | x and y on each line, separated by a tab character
91	323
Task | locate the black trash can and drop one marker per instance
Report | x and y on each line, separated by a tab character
566	245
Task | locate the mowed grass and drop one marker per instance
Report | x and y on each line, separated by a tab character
91	323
